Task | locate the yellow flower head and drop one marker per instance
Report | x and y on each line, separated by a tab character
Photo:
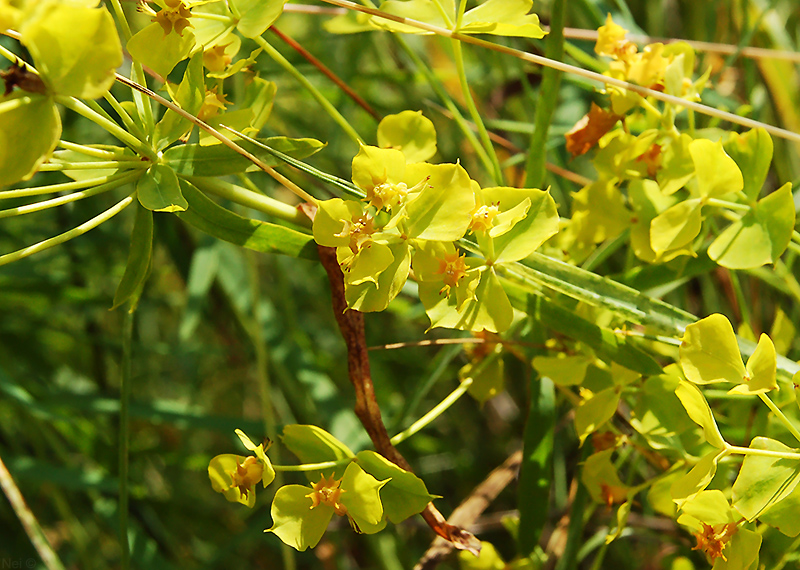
174	17
452	268
328	492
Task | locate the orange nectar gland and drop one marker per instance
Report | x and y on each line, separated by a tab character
387	195
712	542
359	230
452	269
175	16
483	217
247	474
327	492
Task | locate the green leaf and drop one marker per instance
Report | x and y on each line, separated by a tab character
607	345
563	369
293	519
698	409
269	471
591	414
659	415
709	352
489	309
676	227
710	507
442	210
741	552
409	132
76	49
205	215
404	494
362	498
159	190
256	16
332	218
601	478
488	559
30	118
761	369
503	18
369	296
536	469
752	152
764	481
160	52
539	224
717	173
219	160
697	479
420	10
677	167
488	376
138	258
761	236
783	514
189	96
312	444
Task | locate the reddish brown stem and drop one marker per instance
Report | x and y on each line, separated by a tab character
351	324
328	73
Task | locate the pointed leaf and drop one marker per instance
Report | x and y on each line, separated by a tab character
256	15
562	369
696	480
676	227
761	369
539	224
443	209
752	152
783	514
368	296
161	53
594	412
314	445
503	18
698	409
362	498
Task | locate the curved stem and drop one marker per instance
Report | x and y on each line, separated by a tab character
66	236
435	412
110	126
312	466
64	187
762	452
96	152
727	204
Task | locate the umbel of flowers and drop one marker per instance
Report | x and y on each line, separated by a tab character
412	218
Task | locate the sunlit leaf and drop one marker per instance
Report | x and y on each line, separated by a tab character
676	227
601	479
160	52
710	353
293	519
189	96
312	444
698	409
255	16
783	514
503	18
404	494
717	173
409	132
362	498
752	152
30	118
563	369
75	48
442	210
696	480
761	369
591	414
764	481
220	469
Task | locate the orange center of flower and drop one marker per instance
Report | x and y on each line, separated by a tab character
247	474
452	269
712	542
358	229
327	492
175	16
483	217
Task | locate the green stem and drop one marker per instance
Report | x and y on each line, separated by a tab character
434	413
110	126
315	93
496	172
64	187
763	452
61	200
130	124
250	199
58	166
443	13
66	236
546	102
28	520
124	438
312	466
780	415
738	292
96	152
727	204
